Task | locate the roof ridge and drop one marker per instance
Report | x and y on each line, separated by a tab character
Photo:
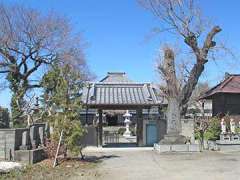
226	81
116	73
116	76
221	86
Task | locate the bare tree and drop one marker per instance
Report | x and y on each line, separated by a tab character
201	126
182	18
28	41
194	102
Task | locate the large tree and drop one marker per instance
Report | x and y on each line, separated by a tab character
29	42
183	19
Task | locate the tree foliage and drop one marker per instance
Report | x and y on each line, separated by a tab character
4	118
29	42
214	129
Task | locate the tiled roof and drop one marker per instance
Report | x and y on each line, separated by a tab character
109	92
231	84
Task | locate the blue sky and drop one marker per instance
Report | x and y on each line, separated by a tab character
116	31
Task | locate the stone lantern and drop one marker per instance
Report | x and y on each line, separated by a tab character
127	122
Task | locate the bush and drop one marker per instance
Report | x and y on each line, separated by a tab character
214	129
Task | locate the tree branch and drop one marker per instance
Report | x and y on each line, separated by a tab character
209	43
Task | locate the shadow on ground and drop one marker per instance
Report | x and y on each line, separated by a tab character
120	145
93	159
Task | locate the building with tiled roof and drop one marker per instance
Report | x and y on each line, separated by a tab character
225	96
115	94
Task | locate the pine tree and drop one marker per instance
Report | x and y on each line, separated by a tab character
62	86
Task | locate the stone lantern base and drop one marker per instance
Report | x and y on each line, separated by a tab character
127	134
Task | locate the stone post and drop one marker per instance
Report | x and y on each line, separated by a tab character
32	137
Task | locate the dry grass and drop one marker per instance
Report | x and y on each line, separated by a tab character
67	168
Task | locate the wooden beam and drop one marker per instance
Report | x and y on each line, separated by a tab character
120	107
100	129
139	127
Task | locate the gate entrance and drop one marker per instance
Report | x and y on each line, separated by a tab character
151	136
112	120
117	92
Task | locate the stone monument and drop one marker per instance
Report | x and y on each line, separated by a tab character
25	143
174	127
232	126
223	127
41	136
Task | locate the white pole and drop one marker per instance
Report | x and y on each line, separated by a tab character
56	155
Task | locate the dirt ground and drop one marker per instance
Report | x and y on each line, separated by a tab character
149	165
138	164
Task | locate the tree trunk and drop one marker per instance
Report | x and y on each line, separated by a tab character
173	123
188	88
16	109
173	111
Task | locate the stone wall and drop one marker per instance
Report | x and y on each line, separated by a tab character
30	156
162	125
10	140
7	143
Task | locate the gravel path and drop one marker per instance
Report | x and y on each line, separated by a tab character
149	165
